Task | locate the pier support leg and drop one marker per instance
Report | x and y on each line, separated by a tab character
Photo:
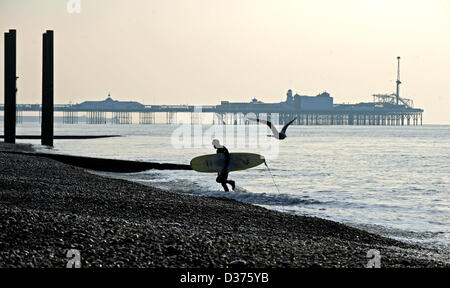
70	117
96	117
220	119
171	117
146	118
19	117
122	118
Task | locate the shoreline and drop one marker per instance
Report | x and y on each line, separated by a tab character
48	207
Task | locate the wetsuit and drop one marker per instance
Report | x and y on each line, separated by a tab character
222	176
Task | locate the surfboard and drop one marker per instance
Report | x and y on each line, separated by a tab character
214	162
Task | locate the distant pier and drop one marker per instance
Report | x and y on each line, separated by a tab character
309	110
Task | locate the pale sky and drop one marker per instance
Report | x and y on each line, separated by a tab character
205	51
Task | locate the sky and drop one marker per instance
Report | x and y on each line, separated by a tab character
206	51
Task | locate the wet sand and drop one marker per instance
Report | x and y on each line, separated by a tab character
47	208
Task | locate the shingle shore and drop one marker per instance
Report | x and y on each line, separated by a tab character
47	208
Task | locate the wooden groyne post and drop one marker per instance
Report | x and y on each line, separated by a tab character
10	87
47	90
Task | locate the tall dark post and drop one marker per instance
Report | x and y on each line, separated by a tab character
10	87
47	90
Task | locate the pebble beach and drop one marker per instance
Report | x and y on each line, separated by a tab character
48	208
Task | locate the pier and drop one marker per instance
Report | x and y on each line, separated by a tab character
309	110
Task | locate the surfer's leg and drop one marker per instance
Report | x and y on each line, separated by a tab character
232	183
225	187
222	179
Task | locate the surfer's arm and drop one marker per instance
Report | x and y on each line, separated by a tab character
227	159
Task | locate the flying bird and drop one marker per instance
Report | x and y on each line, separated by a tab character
279	135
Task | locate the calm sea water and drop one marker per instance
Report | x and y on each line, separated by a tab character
394	181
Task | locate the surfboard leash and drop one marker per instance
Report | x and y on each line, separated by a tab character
273	179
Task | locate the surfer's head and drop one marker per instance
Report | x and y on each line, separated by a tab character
216	143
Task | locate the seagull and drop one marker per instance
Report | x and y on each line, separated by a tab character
279	135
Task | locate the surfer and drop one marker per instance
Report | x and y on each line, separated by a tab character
222	176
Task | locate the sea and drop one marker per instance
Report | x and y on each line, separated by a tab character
390	180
